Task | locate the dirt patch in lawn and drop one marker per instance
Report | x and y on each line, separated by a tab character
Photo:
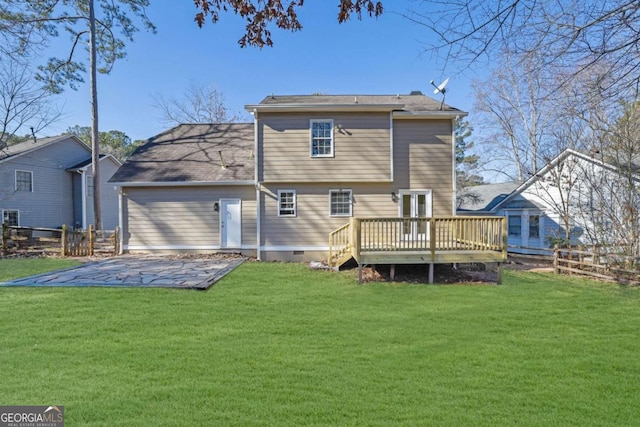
470	274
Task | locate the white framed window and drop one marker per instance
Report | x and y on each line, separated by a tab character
24	181
321	138
340	203
11	217
534	226
286	203
515	225
89	186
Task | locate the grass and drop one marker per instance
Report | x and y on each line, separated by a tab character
13	268
278	344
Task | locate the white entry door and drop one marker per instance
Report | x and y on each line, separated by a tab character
230	223
415	204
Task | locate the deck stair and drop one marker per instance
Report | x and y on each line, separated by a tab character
340	247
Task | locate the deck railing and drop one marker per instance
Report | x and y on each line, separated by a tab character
420	235
437	233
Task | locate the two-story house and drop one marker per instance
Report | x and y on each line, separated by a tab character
307	165
47	182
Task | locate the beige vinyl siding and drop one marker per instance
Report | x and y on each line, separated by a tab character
361	148
175	217
312	225
423	159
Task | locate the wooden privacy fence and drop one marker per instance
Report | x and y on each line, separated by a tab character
64	241
597	263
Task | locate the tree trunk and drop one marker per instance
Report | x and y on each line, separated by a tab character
95	147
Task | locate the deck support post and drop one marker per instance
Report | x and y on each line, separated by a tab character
431	273
359	273
499	275
392	272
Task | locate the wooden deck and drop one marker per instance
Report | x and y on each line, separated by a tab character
435	240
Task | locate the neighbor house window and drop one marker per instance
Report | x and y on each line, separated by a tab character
515	225
534	226
321	138
340	203
11	217
89	186
286	203
24	181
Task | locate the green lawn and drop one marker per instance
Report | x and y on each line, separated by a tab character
12	268
278	344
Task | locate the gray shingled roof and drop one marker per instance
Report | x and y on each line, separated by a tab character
414	102
29	145
190	153
487	195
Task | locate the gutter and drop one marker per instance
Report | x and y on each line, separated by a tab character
180	183
429	114
335	108
257	185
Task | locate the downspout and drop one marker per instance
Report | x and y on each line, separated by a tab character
83	187
453	159
391	143
121	220
257	185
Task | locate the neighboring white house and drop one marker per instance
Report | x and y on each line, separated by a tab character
571	192
48	183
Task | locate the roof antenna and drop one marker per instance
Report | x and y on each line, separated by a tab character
222	163
33	133
441	88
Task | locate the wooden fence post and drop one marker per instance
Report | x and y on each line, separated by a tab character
580	255
556	251
5	236
505	238
63	241
116	240
92	235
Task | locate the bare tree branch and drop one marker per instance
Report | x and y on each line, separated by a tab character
198	104
579	36
23	103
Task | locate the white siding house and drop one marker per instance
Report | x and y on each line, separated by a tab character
560	200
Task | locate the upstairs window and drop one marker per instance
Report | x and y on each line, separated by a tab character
321	138
24	181
286	203
340	203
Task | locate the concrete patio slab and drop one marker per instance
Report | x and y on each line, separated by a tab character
139	272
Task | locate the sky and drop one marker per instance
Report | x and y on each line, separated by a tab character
371	56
